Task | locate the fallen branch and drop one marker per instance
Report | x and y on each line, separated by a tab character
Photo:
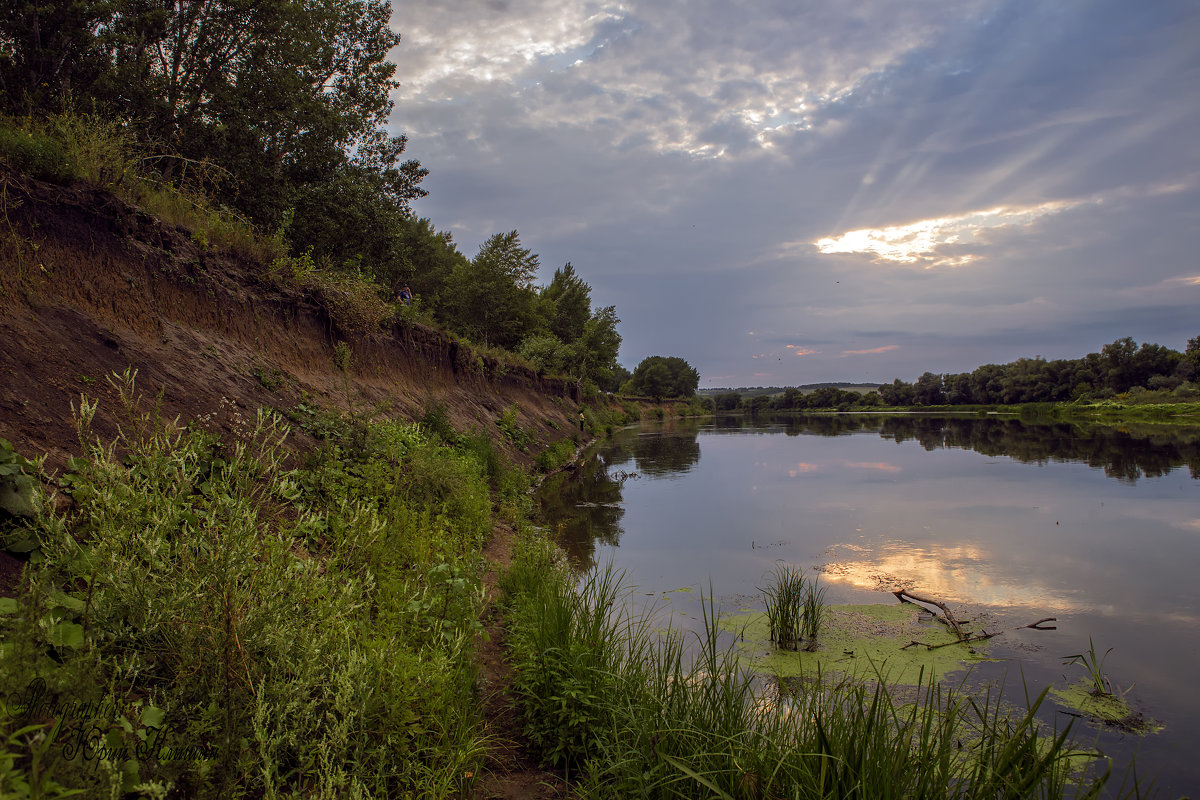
948	619
905	596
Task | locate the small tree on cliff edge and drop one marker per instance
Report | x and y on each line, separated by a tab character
663	376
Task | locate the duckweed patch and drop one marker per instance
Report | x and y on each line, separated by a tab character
857	640
1110	710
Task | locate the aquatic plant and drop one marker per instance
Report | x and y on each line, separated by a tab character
1094	665
785	601
795	608
813	613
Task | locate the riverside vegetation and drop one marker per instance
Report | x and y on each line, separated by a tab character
630	711
208	618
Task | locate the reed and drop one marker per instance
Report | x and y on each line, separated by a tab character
631	711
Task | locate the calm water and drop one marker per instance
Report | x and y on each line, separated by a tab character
1007	521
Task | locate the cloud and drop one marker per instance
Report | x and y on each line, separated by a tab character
950	241
702	78
693	158
871	350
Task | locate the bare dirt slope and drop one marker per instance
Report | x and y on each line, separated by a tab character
90	285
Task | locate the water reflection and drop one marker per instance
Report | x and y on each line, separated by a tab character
1126	452
1094	525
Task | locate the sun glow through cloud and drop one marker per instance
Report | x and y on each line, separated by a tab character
941	241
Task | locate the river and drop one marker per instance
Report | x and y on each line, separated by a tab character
1007	521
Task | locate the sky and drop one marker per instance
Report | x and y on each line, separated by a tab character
785	192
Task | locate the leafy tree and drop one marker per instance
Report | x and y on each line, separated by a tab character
492	296
616	379
566	304
597	347
288	100
898	393
547	353
663	376
49	52
727	401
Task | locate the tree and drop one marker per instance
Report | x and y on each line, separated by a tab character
597	347
492	296
663	376
566	304
898	393
288	100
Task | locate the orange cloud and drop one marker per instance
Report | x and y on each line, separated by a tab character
883	349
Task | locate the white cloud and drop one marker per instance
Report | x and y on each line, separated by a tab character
949	241
705	79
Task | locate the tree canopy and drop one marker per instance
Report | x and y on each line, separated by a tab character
663	376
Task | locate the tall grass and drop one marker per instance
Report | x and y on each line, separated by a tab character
73	146
795	608
632	712
301	632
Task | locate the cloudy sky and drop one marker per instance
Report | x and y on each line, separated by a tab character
791	191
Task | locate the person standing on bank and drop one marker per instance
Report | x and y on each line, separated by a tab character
405	295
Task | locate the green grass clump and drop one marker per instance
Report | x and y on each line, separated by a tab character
555	455
230	626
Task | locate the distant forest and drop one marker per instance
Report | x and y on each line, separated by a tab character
1121	370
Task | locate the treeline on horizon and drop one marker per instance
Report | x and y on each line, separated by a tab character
276	113
1121	370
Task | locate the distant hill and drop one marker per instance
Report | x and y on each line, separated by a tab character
755	391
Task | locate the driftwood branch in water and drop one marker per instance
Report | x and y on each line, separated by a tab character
948	619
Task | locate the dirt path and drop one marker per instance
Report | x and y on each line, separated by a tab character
510	771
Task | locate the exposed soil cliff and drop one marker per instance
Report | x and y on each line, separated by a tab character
90	285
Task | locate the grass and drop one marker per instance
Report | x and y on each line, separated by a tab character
629	711
68	147
279	631
1094	665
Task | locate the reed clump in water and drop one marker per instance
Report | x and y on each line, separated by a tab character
795	608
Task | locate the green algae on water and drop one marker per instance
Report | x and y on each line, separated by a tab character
863	641
1110	710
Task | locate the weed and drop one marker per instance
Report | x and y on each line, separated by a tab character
271	379
299	631
513	431
1094	665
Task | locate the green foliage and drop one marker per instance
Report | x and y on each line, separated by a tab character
555	455
436	421
795	608
17	497
303	631
38	155
546	353
662	377
1094	665
520	437
1120	367
491	298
